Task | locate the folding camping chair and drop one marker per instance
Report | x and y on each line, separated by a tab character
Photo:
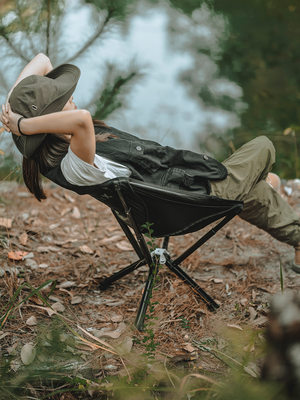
170	212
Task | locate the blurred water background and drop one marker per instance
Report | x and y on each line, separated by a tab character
202	75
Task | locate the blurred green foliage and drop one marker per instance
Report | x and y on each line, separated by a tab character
261	54
287	145
10	169
63	369
114	91
33	19
116	8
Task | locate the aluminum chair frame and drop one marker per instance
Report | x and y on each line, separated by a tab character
133	232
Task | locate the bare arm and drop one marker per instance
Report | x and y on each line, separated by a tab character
77	123
39	65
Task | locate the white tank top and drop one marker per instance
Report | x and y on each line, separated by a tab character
79	172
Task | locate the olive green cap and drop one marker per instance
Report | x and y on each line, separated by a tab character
39	95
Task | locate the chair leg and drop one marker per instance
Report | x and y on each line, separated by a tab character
129	236
166	242
147	294
210	303
119	274
204	239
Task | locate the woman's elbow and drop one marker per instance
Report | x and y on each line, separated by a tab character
83	122
84	118
43	57
44	62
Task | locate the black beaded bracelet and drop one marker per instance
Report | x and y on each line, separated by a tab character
19	120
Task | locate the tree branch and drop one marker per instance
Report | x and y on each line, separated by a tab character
106	100
12	46
93	38
19	13
48	27
3	82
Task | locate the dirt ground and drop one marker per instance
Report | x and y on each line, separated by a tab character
75	241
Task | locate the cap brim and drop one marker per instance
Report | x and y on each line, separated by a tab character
66	77
64	70
27	146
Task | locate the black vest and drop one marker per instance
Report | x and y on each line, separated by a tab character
150	162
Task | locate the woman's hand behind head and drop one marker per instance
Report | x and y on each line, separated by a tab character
10	119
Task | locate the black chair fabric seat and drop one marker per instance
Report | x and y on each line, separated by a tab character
171	212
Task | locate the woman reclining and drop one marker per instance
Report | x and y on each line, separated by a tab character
59	140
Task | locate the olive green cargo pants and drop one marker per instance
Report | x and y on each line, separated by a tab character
248	168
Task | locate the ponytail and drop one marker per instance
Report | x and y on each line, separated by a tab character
32	178
98	122
103	132
47	156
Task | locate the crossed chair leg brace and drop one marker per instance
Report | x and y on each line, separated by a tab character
155	258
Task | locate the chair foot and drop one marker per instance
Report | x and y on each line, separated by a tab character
212	306
147	294
209	301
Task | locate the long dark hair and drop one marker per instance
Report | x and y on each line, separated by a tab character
48	156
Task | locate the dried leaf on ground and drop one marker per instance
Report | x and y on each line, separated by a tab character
16	255
23	238
54	226
253	313
30	263
29	255
65	211
189	348
47	249
49	311
112	334
3	335
252	370
69	198
260	321
66	284
111	239
218	280
28	353
123	245
31	321
126	345
58	307
43	265
6	222
86	249
116	318
235	326
76	300
24	194
76	213
244	301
